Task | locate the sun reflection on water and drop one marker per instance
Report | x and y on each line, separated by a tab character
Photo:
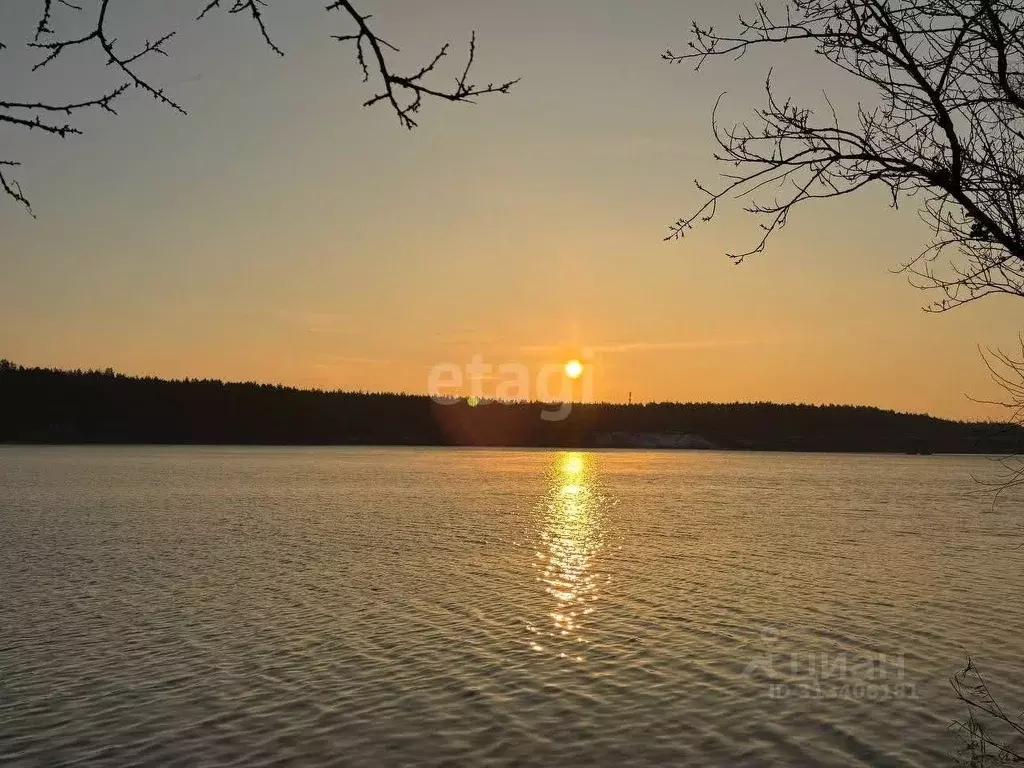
571	539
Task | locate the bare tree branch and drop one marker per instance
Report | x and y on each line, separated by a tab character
255	10
413	85
989	736
946	131
404	93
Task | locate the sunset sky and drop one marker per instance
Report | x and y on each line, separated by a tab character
282	233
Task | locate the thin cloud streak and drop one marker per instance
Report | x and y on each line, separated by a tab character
319	322
338	361
647	346
644	346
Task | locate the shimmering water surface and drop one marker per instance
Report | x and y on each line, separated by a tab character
369	607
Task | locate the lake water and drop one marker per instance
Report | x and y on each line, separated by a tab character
368	607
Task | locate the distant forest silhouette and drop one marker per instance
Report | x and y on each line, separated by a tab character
40	405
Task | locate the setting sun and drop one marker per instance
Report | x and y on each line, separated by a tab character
574	369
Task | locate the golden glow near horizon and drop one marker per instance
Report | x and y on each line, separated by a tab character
574	369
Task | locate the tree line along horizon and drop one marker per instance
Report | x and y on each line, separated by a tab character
47	405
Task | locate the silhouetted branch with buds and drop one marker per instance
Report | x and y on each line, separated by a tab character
414	85
946	131
989	735
404	93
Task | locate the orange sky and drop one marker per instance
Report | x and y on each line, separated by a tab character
282	233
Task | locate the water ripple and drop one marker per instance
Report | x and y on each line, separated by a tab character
257	607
